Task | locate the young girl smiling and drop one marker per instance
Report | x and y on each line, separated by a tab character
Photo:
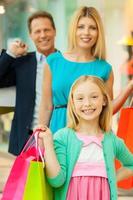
80	158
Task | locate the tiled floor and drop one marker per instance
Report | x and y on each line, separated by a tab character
6	161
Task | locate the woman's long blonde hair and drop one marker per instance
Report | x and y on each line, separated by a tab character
98	50
106	114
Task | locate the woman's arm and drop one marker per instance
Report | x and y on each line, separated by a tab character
109	84
123	173
122	97
45	109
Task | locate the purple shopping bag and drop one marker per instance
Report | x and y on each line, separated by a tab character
14	187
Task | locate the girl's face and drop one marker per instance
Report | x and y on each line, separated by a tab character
88	101
87	33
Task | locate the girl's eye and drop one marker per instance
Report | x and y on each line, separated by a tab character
80	98
94	97
80	27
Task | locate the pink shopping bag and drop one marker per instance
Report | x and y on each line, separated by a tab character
14	187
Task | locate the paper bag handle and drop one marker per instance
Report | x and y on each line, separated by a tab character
39	152
29	144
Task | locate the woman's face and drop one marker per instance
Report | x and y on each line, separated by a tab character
87	33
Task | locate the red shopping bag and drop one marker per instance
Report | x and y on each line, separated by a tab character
14	188
125	131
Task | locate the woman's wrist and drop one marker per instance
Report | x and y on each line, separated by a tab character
130	87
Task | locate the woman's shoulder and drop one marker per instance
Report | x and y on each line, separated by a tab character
53	56
104	62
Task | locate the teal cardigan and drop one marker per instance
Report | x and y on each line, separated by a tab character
68	147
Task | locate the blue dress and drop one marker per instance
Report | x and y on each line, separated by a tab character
64	73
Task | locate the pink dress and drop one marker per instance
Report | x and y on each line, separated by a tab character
89	179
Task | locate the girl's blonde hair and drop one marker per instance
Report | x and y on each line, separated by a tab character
106	114
98	50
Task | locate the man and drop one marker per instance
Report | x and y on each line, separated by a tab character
17	67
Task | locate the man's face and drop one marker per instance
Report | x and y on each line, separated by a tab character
43	35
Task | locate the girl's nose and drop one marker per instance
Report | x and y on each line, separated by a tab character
87	102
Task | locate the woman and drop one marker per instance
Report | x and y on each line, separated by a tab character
86	55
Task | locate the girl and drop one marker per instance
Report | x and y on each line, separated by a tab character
80	159
86	56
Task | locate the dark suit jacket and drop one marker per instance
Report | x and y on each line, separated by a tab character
22	73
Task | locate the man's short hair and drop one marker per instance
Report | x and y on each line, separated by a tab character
40	14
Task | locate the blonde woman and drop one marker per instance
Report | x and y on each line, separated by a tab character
80	159
86	55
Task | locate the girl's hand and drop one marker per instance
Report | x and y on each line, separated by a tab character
40	127
46	136
123	173
51	162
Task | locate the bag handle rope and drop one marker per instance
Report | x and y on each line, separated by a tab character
35	143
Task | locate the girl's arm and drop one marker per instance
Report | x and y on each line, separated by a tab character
55	157
123	173
52	164
125	157
45	109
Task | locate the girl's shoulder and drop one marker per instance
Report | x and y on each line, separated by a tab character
63	133
112	136
111	139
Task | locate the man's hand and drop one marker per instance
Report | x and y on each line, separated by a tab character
18	48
